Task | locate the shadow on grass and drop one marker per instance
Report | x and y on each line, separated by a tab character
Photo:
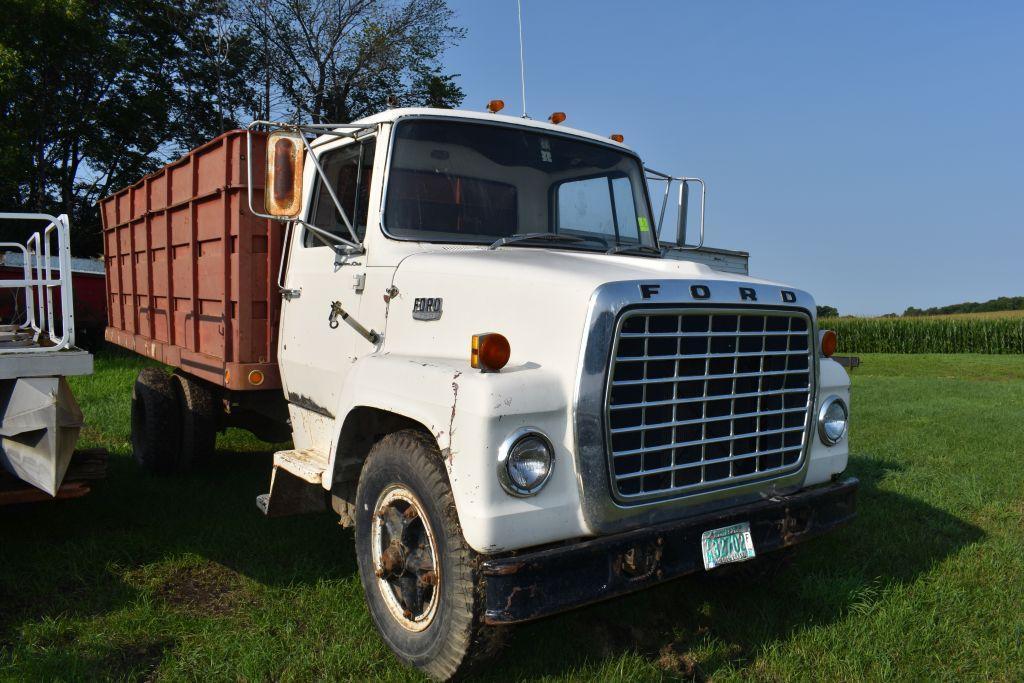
894	540
72	558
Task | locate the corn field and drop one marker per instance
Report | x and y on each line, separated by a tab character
927	335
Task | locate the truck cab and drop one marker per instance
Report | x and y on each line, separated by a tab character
491	290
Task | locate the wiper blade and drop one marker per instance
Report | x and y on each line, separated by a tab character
546	236
626	248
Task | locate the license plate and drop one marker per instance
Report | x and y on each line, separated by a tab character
728	544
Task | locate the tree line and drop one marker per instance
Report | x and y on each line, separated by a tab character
1003	303
94	94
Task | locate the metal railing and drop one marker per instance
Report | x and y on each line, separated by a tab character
38	332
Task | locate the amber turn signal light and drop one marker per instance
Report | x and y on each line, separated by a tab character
828	342
557	117
489	352
256	377
617	137
494	106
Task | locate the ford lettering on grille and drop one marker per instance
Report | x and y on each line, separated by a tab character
703	399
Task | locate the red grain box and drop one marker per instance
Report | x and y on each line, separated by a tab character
191	271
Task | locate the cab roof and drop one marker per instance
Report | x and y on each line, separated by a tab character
392	115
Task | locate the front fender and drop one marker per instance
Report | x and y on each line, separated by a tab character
470	414
827	461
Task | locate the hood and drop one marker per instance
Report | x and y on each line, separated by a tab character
573	269
539	298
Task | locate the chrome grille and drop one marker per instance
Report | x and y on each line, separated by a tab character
705	399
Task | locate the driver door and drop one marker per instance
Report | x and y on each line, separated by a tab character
314	356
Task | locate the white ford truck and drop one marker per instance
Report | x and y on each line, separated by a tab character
488	366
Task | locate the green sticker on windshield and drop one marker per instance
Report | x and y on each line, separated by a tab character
642	222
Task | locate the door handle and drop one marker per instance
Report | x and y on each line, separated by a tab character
338	312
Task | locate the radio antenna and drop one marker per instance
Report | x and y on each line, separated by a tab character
522	61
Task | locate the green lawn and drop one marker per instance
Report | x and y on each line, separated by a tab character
181	578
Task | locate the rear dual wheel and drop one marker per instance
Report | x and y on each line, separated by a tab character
197	407
155	428
174	421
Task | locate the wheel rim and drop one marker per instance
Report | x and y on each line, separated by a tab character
405	558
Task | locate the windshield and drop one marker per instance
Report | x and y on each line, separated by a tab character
457	181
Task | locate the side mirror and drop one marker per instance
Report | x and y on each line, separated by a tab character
282	193
684	211
677	241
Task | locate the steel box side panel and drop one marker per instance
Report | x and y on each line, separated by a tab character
189	267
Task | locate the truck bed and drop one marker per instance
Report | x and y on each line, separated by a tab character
190	271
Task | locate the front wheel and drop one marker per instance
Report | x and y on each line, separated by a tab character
418	574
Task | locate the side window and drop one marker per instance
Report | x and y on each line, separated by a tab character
349	171
604	204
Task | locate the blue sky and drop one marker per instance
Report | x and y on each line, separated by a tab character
869	152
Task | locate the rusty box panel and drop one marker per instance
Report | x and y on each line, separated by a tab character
190	270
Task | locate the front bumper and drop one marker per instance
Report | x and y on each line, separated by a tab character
535	584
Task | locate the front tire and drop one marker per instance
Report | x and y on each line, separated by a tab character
419	576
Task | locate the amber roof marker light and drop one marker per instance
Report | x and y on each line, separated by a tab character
617	137
494	106
557	117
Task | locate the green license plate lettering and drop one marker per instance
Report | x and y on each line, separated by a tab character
728	544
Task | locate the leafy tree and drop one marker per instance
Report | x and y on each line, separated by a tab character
339	60
828	312
1003	303
96	93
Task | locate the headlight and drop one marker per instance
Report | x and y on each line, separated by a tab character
832	420
525	462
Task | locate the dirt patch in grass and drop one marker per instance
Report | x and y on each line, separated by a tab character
208	589
674	659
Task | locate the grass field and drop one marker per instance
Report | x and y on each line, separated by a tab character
181	579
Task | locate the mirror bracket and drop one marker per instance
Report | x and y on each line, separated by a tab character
682	206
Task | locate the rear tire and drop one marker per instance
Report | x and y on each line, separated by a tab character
419	576
155	426
197	407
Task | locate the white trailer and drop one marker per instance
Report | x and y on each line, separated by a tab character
39	418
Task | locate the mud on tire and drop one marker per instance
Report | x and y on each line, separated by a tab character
454	639
155	425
